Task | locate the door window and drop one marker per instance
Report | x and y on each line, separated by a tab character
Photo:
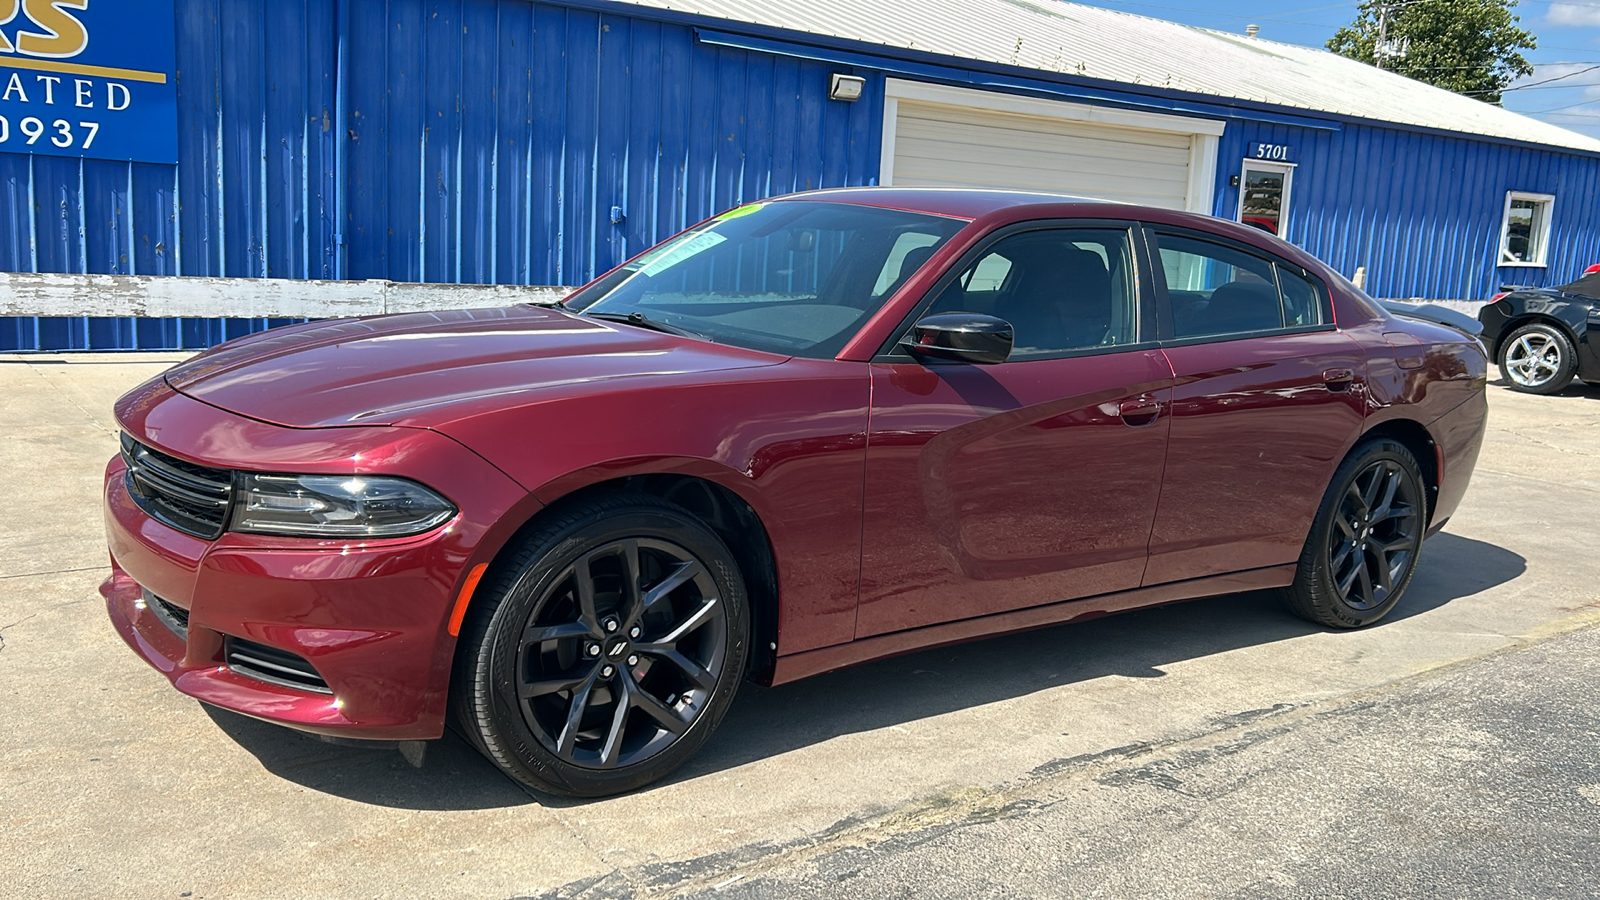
1062	289
1264	196
1217	290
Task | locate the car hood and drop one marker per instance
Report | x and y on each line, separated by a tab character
415	369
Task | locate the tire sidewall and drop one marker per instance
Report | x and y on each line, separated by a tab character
511	742
1321	569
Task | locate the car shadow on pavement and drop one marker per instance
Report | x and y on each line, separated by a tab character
766	722
1577	388
453	776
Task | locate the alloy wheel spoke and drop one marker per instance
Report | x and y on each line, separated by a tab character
1343	555
664	715
695	672
632	590
538	634
1343	524
1348	582
1380	562
619	721
1391	486
1354	499
1365	578
580	705
1369	495
530	689
1395	545
586	603
684	573
700	617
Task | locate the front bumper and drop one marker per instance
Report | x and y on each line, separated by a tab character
369	617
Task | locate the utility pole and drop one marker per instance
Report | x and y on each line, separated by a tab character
1381	48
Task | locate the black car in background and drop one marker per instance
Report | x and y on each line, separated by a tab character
1542	337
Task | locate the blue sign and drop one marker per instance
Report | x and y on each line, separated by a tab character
89	78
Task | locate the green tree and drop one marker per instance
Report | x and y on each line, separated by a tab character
1467	46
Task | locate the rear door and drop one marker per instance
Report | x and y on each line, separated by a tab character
1268	397
998	487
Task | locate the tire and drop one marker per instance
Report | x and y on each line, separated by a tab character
1363	547
1538	358
573	683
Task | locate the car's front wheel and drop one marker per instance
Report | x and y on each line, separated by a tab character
1538	359
1363	546
607	649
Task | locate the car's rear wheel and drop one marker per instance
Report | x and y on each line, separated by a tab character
1538	359
607	649
1363	547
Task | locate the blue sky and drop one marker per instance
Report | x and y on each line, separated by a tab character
1568	32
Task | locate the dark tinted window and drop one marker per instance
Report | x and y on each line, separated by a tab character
1218	290
1062	289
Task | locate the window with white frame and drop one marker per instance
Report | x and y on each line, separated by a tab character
1525	229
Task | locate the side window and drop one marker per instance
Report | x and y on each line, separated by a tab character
1062	289
1216	290
1303	299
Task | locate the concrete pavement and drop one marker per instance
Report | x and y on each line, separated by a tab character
111	783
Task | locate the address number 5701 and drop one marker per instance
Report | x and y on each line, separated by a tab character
59	132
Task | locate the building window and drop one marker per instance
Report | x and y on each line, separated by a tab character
1264	195
1525	230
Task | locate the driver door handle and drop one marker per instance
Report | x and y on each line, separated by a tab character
1139	410
1339	379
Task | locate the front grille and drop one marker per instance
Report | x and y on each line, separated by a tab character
171	615
272	665
191	498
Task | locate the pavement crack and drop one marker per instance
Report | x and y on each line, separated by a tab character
68	398
1557	447
51	572
12	625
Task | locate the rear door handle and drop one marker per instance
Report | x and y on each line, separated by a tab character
1139	411
1339	379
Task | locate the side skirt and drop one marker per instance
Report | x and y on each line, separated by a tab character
826	659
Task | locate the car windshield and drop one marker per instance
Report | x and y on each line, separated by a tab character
796	277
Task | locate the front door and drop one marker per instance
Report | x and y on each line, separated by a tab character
993	488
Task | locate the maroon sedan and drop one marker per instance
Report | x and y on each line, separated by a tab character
807	433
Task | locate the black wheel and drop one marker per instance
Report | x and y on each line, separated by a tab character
1538	359
1364	544
607	649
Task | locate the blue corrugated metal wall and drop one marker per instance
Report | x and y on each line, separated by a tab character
489	141
1421	212
485	141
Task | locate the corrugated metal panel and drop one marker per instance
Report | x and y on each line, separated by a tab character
486	141
489	141
1422	213
1067	38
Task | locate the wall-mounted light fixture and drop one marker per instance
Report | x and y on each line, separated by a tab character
846	87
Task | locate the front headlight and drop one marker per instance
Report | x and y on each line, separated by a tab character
336	506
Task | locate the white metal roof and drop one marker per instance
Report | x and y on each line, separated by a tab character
1116	46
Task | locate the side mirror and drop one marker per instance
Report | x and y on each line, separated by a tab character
962	337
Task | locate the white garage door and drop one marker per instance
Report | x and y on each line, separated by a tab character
1002	141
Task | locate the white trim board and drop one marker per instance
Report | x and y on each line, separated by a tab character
26	294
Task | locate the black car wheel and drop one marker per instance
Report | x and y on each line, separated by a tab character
1364	544
606	651
1538	359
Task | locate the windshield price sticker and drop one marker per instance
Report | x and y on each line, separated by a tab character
89	80
676	252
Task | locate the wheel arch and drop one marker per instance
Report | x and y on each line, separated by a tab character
1527	318
702	488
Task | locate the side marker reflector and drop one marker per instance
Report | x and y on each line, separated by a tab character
460	612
